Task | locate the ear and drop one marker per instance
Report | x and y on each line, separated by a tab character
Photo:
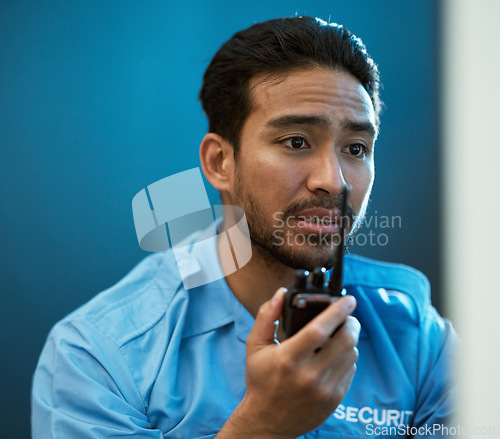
217	162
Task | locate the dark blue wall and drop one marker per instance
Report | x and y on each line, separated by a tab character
99	99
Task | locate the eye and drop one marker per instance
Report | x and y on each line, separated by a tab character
357	150
295	143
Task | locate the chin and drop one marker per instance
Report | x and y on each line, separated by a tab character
306	258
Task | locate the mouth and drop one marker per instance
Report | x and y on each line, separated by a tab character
318	221
317	226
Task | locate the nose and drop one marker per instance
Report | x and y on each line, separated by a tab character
325	174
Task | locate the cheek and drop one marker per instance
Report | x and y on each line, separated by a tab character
266	176
361	184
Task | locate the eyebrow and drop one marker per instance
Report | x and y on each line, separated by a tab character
320	121
298	119
366	127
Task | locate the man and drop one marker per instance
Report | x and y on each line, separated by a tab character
293	109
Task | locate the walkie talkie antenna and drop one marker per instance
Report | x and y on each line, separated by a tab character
335	284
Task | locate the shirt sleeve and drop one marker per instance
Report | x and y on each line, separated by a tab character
83	388
436	393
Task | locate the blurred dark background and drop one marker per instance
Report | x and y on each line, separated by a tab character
99	99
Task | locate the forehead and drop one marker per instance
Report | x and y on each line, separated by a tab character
334	94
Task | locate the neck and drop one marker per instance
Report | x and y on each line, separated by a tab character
258	280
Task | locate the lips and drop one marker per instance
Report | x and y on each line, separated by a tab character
319	220
320	215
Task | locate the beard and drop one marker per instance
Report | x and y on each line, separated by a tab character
277	242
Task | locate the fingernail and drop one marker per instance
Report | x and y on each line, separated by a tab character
278	293
349	303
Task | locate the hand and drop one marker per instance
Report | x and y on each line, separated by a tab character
292	387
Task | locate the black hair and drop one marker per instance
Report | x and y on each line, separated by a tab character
277	47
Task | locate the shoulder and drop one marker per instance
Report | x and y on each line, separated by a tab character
387	284
398	297
110	351
134	305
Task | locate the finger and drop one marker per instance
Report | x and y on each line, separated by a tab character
343	341
336	371
338	386
318	331
264	327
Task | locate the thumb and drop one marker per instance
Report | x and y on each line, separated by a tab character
263	329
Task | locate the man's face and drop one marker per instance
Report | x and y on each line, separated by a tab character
307	136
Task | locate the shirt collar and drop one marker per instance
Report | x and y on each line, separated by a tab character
211	305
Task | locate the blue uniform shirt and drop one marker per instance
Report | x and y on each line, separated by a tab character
149	359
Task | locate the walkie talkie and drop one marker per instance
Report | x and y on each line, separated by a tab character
311	293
